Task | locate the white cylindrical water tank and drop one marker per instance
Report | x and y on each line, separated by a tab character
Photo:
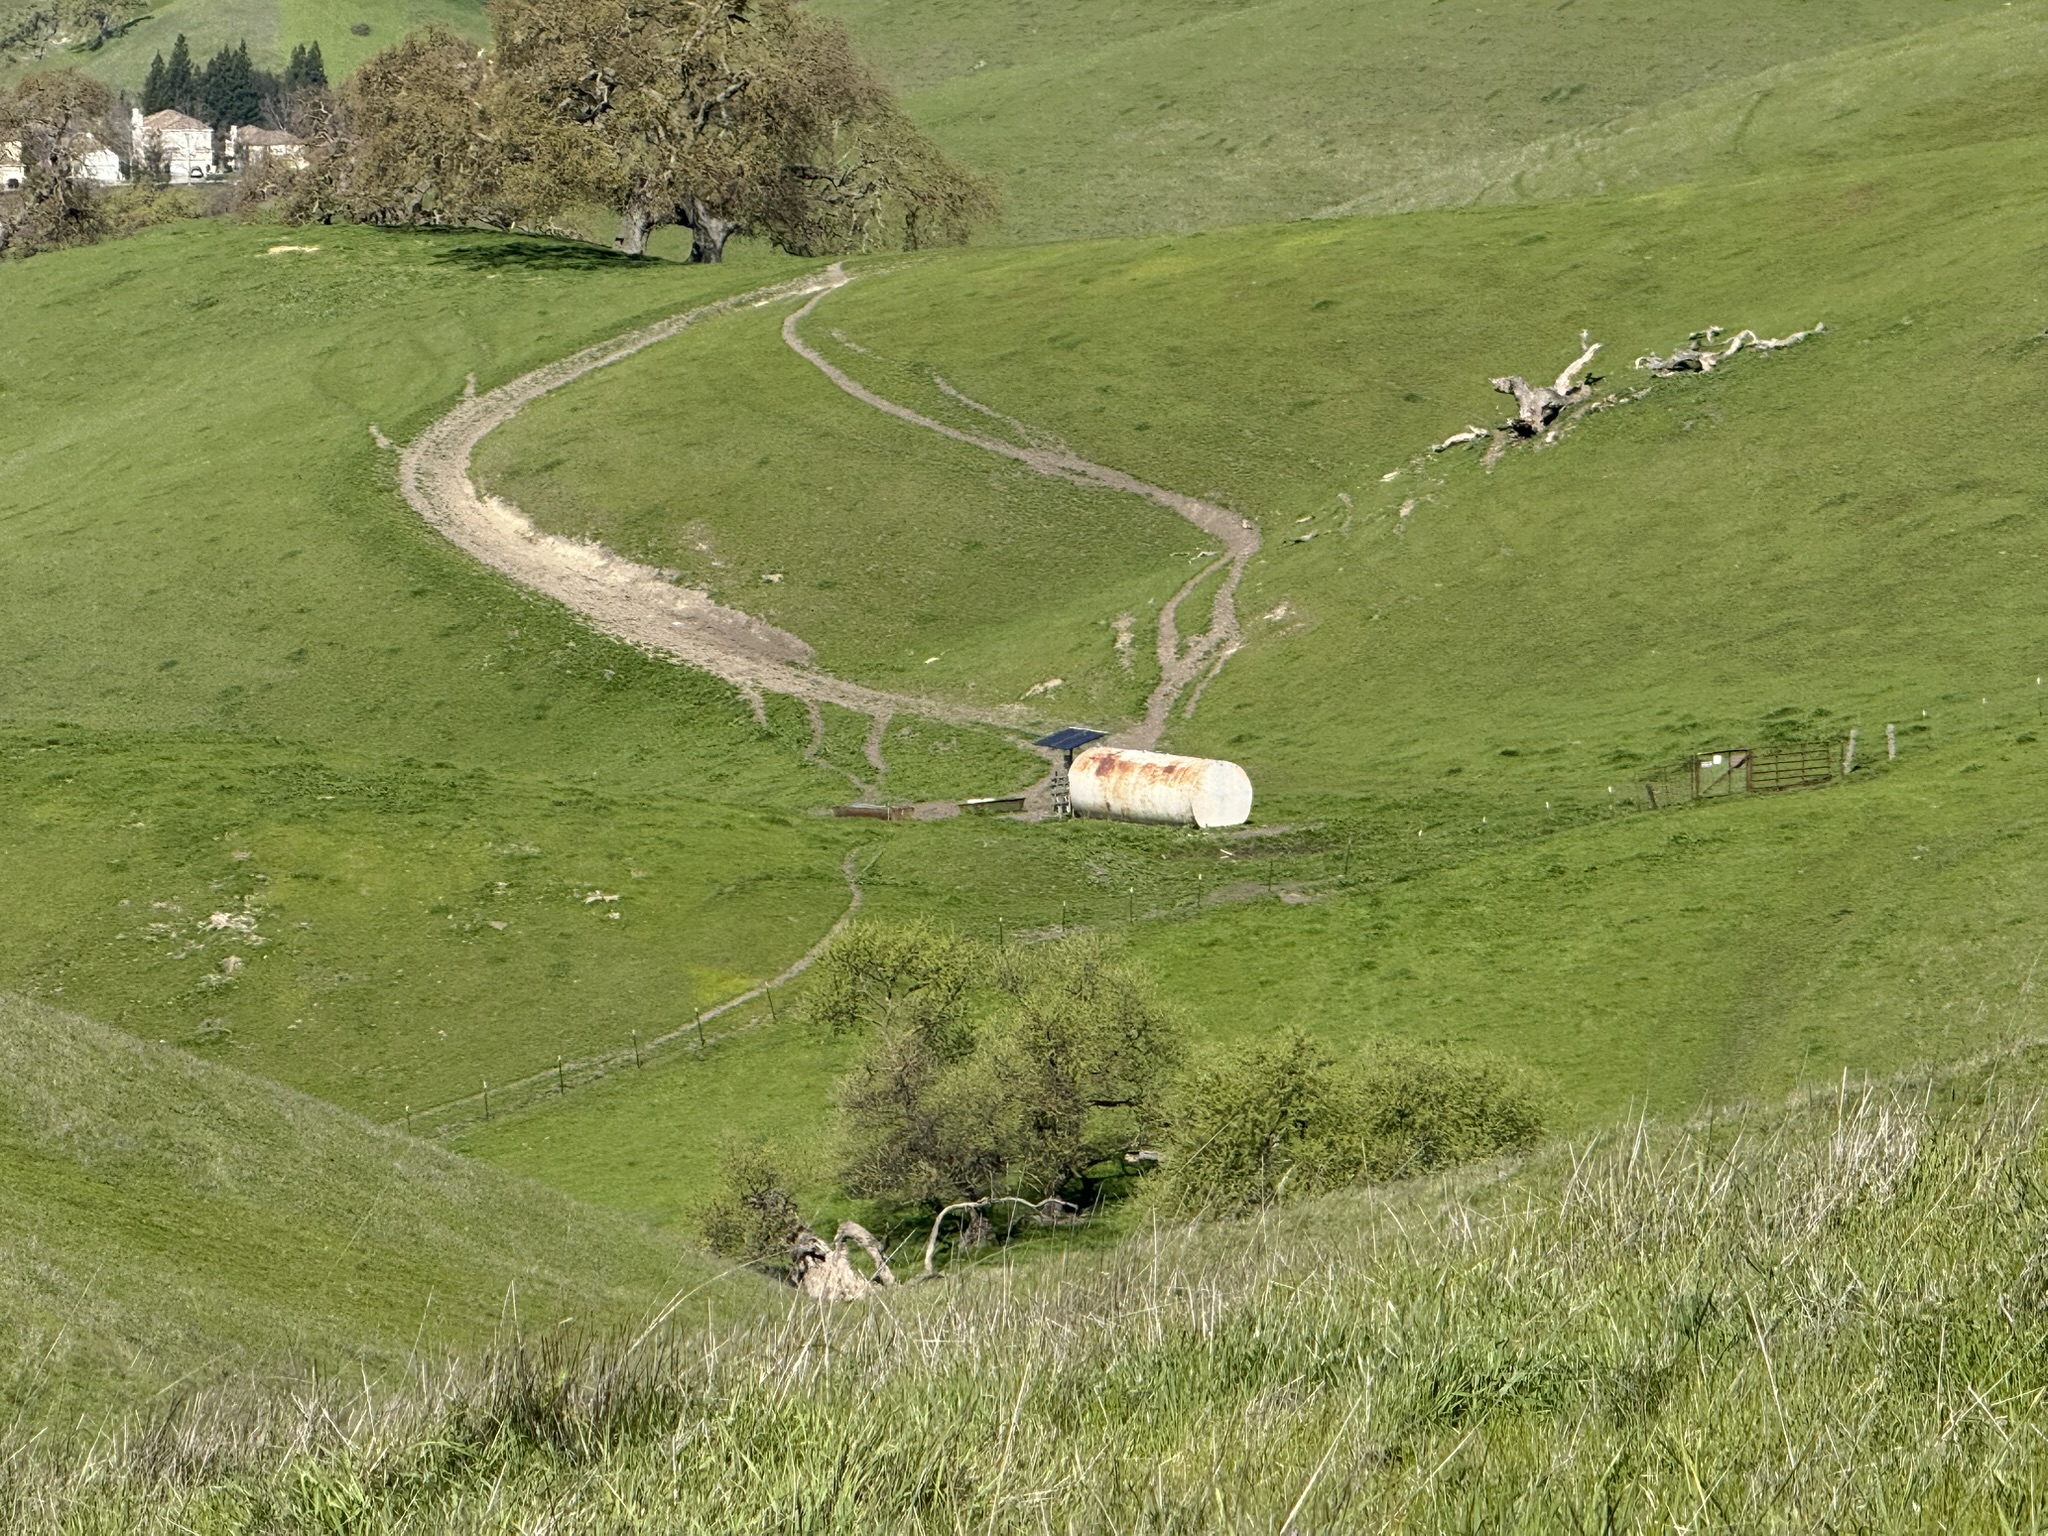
1119	784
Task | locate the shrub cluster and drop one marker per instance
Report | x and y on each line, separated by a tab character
1040	1070
1281	1119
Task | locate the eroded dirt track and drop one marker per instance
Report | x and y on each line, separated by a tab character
1180	665
646	606
637	603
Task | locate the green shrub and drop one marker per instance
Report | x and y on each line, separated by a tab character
1281	1119
991	1071
751	1214
1424	1107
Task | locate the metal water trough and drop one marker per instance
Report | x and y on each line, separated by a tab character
993	805
876	812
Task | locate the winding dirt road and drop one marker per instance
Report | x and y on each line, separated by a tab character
645	606
1179	665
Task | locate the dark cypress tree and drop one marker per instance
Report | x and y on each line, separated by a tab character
155	96
230	91
250	86
306	71
211	86
180	87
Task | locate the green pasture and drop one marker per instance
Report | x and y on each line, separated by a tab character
1821	1315
1454	711
289	787
167	1224
912	562
271	28
1157	115
241	678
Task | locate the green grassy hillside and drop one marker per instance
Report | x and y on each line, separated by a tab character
241	677
166	1224
271	28
730	459
245	696
1816	1317
1454	709
1151	116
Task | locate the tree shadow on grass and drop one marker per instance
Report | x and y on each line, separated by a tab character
524	253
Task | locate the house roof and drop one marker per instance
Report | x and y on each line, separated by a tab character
168	121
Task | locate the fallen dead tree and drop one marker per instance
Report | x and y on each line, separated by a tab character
1543	412
1703	351
1546	412
1538	405
1051	1211
826	1273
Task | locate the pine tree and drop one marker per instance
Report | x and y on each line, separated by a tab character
306	70
244	92
230	91
155	95
180	89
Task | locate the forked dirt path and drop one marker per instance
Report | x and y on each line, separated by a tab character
637	603
1180	665
645	606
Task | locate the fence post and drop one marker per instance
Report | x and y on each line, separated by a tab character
1849	754
1891	743
699	1021
487	1101
636	1047
560	1088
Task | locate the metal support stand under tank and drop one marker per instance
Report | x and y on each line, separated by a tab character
1064	744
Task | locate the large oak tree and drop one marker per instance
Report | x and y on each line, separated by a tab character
718	115
55	116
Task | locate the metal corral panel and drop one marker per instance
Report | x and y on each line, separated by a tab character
1121	785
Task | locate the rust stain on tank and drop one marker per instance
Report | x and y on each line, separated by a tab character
1127	777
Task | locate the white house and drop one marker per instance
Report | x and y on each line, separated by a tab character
95	160
98	162
182	146
265	146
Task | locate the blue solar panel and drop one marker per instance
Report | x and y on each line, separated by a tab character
1072	739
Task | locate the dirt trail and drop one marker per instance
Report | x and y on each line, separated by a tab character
1180	666
637	603
645	607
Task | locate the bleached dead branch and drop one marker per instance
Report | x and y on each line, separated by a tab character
1704	351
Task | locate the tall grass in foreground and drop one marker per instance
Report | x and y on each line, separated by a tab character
1830	1316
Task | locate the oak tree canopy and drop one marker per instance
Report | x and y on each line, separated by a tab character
721	116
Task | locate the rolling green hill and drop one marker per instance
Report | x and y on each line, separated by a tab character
271	28
1151	115
1778	1319
241	677
1455	707
168	1224
245	695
